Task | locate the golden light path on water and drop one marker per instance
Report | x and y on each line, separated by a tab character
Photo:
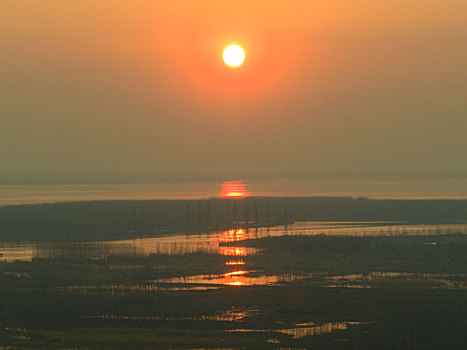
227	244
213	242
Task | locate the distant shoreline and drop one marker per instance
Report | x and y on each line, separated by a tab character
217	198
375	189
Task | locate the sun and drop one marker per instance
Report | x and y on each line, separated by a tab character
233	55
234	189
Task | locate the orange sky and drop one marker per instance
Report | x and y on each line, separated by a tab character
124	91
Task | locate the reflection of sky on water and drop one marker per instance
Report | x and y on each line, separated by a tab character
233	314
213	242
398	279
17	251
297	331
236	268
236	277
233	278
303	330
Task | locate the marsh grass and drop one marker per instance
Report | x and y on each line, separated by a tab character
414	297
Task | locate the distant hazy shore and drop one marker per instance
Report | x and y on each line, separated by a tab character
437	188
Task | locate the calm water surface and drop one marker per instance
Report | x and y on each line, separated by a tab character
227	244
213	242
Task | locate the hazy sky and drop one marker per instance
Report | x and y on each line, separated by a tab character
111	91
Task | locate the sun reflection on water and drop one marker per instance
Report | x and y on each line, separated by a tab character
211	242
236	277
235	262
233	278
233	251
233	235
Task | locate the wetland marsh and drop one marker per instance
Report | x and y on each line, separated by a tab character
331	285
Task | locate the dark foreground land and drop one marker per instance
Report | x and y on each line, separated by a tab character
399	292
107	220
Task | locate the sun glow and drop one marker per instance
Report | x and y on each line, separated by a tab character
233	55
234	189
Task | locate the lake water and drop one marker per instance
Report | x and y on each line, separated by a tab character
227	244
395	189
213	242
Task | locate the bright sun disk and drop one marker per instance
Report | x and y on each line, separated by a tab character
233	55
